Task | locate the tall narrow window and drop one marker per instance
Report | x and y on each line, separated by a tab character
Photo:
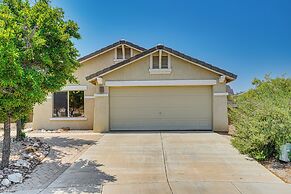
119	53
156	62
127	51
165	64
68	104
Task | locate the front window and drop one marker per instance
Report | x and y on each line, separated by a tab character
68	104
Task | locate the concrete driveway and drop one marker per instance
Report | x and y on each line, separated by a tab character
180	163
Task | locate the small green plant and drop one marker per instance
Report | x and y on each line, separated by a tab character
263	118
22	135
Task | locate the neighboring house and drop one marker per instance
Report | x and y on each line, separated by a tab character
126	87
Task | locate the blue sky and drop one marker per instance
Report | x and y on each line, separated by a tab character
249	38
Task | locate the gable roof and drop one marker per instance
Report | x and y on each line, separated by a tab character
104	49
198	62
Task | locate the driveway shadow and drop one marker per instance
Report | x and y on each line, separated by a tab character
82	176
63	153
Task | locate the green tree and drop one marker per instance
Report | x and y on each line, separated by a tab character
20	125
37	56
263	118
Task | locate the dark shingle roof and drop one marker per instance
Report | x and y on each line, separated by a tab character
172	51
110	47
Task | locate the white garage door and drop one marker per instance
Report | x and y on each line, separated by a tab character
161	108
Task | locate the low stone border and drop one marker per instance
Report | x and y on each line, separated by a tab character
31	153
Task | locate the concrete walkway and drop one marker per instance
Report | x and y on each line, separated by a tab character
162	163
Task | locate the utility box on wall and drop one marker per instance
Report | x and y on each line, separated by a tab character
285	154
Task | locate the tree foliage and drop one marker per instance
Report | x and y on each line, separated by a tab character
263	118
37	55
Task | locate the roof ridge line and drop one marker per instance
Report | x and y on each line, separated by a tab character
108	47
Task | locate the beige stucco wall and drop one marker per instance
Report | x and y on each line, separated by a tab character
220	117
101	114
181	69
43	112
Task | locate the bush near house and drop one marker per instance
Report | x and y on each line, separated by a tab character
263	118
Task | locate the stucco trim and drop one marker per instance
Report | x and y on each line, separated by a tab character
89	97
74	88
160	71
100	95
221	94
68	119
160	83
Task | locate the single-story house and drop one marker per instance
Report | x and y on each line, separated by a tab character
126	87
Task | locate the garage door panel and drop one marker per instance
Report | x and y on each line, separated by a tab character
140	91
140	102
171	113
161	108
163	124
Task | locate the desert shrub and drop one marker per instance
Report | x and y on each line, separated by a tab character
263	118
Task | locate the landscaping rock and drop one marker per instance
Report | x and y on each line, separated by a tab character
249	158
15	178
42	130
30	149
28	153
5	182
27	156
36	145
22	163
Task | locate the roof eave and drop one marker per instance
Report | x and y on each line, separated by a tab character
109	47
230	76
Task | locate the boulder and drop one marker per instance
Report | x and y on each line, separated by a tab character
22	163
5	182
27	156
36	145
30	149
15	177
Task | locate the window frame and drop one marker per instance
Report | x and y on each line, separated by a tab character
68	106
123	53
160	70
